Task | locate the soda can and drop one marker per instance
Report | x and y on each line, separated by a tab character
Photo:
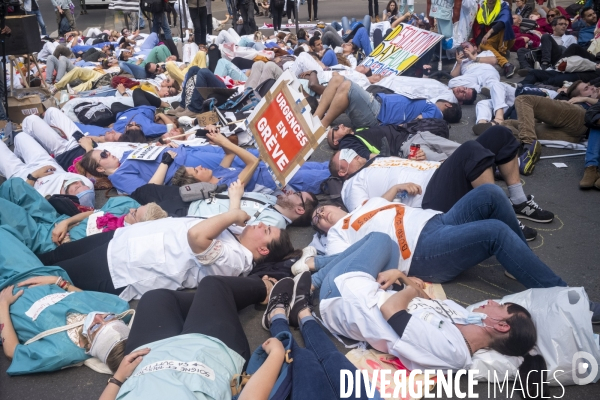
414	148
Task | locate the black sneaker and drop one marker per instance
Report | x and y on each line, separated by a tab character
529	233
531	211
282	295
302	297
509	70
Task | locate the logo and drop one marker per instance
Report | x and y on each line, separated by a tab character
528	210
585	368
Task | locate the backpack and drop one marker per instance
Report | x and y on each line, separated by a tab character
94	114
153	6
244	101
65	204
331	190
436	126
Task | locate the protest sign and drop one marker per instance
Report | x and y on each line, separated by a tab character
146	153
400	50
285	131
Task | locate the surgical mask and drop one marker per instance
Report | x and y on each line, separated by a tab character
347	155
87	198
125	223
89	320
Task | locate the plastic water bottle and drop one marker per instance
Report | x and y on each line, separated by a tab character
401	196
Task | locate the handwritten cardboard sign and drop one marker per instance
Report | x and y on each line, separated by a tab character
400	50
284	130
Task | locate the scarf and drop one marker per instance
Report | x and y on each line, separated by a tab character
109	222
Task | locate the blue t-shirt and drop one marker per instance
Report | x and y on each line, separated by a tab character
398	109
143	116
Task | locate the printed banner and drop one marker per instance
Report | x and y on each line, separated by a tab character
146	153
285	131
400	50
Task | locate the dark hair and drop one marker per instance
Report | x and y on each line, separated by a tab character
334	169
176	85
114	358
369	73
90	165
111	47
313	103
317	34
105	64
468	102
148	72
572	91
387	8
452	114
278	248
555	20
521	339
133	136
584	10
181	178
309	207
298	50
333	203
313	40
302	34
121	58
123	30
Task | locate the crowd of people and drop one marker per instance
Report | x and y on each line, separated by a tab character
200	232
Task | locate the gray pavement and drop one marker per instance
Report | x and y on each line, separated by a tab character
569	245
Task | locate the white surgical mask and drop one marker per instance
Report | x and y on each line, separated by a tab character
347	155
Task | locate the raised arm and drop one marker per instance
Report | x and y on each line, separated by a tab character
232	150
201	235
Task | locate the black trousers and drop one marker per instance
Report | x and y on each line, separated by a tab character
315	7
166	196
247	11
242	63
212	310
277	13
143	98
555	78
373	11
198	16
291	9
452	180
86	262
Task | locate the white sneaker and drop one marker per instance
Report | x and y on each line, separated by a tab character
300	265
189	121
290	22
70	90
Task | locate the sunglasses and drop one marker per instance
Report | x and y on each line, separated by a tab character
551	15
104	154
299	194
94	328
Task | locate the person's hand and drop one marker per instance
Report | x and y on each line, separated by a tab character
6	296
44	171
59	232
388	278
306	74
576	100
420	156
173	145
486	37
129	364
273	346
121	88
526	39
411	188
5	31
38	281
86	143
60	11
171	58
236	190
460	57
215	137
415	281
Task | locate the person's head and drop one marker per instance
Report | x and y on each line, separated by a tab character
125	55
345	163
110	62
517	19
301	34
392	7
336	133
348	48
315	44
267	243
326	216
452	112
520	3
106	336
85	194
298	50
342	60
469	48
559	25
363	70
588	15
169	82
112	136
154	69
99	162
125	32
189	175
167	91
108	49
298	206
552	14
175	131
582	89
147	212
133	136
464	95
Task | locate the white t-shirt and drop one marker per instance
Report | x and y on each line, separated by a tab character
473	67
425	343
382	174
389	218
350	74
156	254
424	88
565	40
52	184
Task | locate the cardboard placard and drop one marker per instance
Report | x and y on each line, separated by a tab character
146	153
285	131
400	50
207	118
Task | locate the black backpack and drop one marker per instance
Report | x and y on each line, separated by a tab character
65	204
97	114
436	126
153	6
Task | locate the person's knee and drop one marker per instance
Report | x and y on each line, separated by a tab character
492	192
155	296
381	242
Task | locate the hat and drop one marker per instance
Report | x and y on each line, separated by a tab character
572	88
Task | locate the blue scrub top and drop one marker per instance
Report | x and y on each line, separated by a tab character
142	115
397	109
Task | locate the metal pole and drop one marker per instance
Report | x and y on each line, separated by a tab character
563	155
297	16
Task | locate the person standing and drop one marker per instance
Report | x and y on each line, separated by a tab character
63	9
314	4
82	7
276	9
373	11
290	8
246	8
32	8
159	20
198	13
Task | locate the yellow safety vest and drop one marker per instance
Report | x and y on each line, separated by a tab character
484	16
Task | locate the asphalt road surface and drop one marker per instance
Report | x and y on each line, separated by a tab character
569	245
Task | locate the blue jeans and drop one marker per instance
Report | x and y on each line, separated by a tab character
204	78
150	42
137	71
227	68
316	369
480	225
592	155
350	24
372	254
40	20
361	39
159	20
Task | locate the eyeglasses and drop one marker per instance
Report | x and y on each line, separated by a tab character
97	326
104	154
299	194
317	217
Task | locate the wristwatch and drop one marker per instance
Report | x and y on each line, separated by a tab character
31	178
114	380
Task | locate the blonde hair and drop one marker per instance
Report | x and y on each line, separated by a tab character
154	212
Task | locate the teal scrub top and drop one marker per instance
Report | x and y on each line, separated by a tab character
34	312
117	206
192	366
